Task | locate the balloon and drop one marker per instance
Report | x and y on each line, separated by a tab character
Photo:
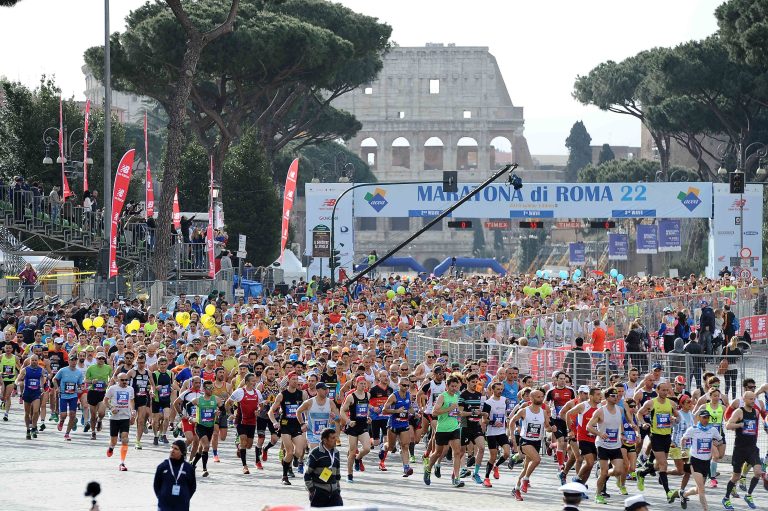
185	316
400	290
203	318
577	272
539	273
87	323
546	274
614	272
619	277
390	294
179	317
529	291
130	328
98	322
563	274
209	322
576	277
210	309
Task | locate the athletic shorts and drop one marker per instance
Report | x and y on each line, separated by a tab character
117	426
587	448
140	401
470	434
359	429
186	426
295	430
562	428
702	466
159	406
249	430
31	397
262	425
204	431
536	444
378	428
443	437
7	383
67	405
629	448
661	443
609	454
498	441
95	397
749	456
415	421
223	421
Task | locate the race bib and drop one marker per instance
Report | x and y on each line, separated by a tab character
290	411
402	417
7	370
498	420
208	414
533	431
325	474
613	435
663	420
704	445
629	434
318	426
332	392
453	413
361	410
33	384
750	427
99	385
165	390
69	387
122	398
192	410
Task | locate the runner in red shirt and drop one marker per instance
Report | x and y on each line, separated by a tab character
245	419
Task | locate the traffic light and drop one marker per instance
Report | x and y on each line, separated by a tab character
450	181
531	225
335	259
605	224
460	224
737	182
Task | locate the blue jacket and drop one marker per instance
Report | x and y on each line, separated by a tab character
164	483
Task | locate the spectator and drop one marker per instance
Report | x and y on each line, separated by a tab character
578	363
729	323
28	278
706	327
323	472
696	362
175	482
677	358
598	337
636	348
731	355
55	200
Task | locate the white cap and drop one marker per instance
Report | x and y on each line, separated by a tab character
573	487
584	388
211	357
635	502
331	364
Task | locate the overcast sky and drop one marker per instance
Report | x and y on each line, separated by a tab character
540	45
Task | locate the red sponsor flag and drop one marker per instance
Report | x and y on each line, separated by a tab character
122	180
288	195
65	192
209	233
149	201
176	212
85	144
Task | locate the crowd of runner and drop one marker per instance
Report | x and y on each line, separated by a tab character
279	371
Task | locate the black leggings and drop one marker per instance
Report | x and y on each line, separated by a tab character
730	382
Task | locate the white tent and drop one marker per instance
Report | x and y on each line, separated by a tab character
291	266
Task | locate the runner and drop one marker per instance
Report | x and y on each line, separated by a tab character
269	389
745	422
559	396
164	386
222	390
143	387
574	458
96	378
426	401
583	414
471	400
716	420
30	382
10	365
248	399
495	412
293	441
207	408
447	435
379	420
316	414
185	407
119	400
355	412
398	407
68	381
534	421
607	426
628	444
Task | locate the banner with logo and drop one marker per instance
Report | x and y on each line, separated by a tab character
288	194
321	197
85	144
647	239
149	199
540	200
65	191
176	210
757	326
670	236
618	247
736	235
122	180
577	253
209	231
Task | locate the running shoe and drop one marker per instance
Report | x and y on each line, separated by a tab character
511	463
425	461
205	473
156	441
286	481
176	432
562	477
29	434
524	487
165	439
74	426
42	426
110	451
259	466
5	417
362	467
67	437
350	478
683	502
750	501
381	454
487	483
87	428
408	472
357	465
457	483
412	459
290	473
438	474
34	431
495	472
478	479
672	495
743	483
727	504
138	445
622	489
246	471
264	455
60	425
713	483
427	476
216	458
93	435
605	494
98	425
641	483
123	468
599	499
517	494
382	466
300	468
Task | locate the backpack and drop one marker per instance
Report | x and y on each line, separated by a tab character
735	324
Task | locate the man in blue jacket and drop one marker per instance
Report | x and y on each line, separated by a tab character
706	327
175	480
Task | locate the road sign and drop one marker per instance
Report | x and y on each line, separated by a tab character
745	253
239	292
241	242
241	254
321	243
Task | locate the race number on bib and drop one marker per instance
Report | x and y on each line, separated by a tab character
663	420
533	431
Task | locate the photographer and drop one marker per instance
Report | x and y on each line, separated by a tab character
175	480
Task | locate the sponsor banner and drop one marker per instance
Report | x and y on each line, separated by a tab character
321	197
572	224
647	239
122	180
757	326
618	247
176	210
149	198
288	194
209	231
497	224
669	236
577	254
728	225
65	191
541	200
85	144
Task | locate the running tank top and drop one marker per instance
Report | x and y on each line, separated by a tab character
8	367
291	403
661	417
32	381
162	386
716	416
532	425
358	412
140	383
268	392
318	418
629	433
400	420
448	422
611	426
746	436
246	410
206	411
582	433
435	389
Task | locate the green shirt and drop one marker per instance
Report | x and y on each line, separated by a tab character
98	376
448	422
206	411
8	367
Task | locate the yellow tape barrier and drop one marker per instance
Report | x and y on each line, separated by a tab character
57	275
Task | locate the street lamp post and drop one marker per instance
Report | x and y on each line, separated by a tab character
70	141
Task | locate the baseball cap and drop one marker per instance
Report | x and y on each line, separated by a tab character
703	413
211	357
59	340
680	379
635	502
584	388
331	364
573	487
293	357
657	366
321	385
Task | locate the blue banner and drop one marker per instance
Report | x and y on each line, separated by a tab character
577	253
669	236
647	239
618	247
